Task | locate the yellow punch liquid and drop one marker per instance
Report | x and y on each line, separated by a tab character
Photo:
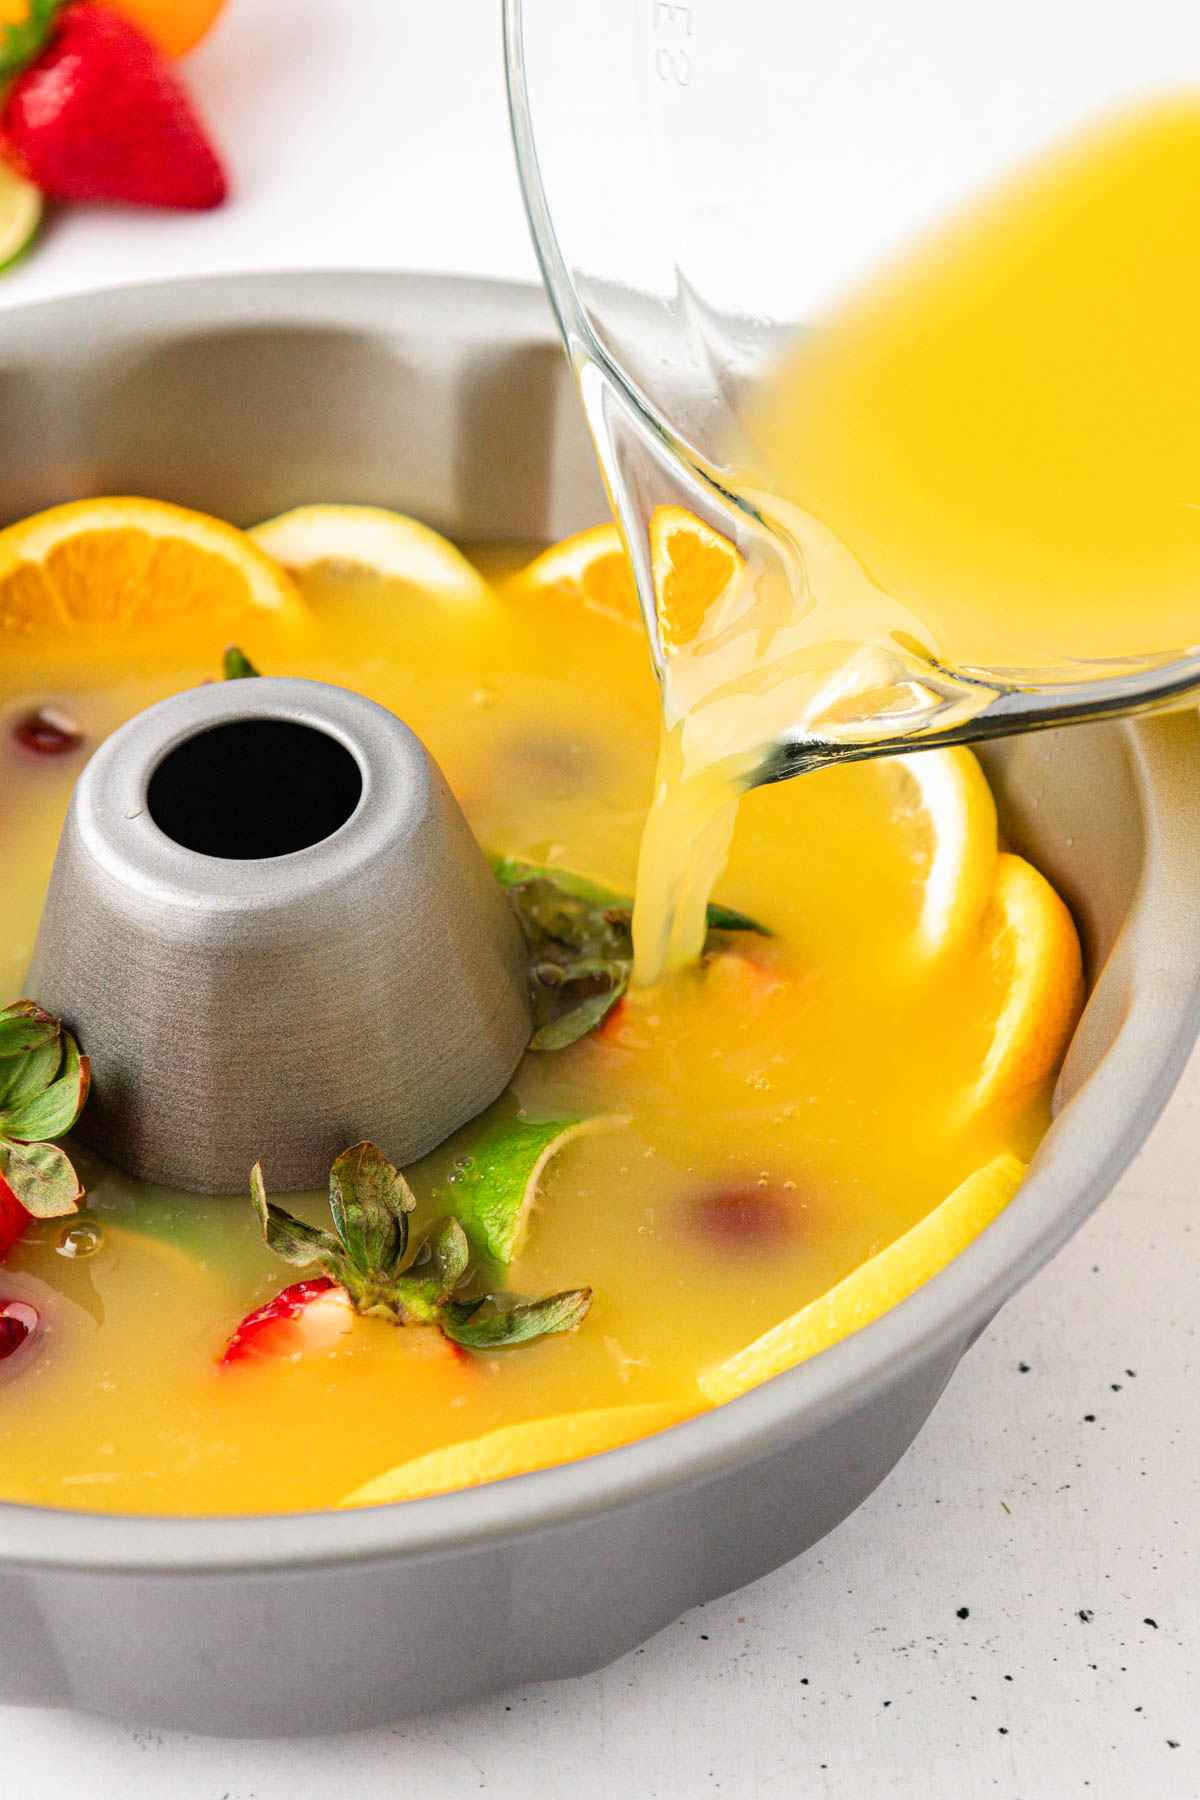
765	1122
987	458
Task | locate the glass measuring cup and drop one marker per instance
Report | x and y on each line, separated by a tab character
703	176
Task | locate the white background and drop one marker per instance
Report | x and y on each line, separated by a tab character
1056	1502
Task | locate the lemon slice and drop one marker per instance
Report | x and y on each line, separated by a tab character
20	215
517	1449
1034	956
590	569
876	1285
371	541
116	566
945	799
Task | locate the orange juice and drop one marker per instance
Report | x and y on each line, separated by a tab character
984	460
761	1124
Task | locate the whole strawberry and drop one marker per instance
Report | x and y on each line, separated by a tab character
96	112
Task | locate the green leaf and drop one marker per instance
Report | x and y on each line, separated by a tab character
23	41
451	1255
42	1178
494	1193
53	1112
481	1329
370	1200
21	1077
295	1242
236	665
440	1266
510	872
570	1027
25	1026
725	918
579	942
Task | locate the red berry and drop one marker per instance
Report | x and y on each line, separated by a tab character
48	733
102	115
13	1218
16	1322
305	1319
746	1218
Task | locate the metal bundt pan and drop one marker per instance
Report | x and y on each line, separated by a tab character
449	399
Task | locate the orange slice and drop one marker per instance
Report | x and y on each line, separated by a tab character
591	569
693	567
876	1285
946	806
1034	956
116	566
517	1449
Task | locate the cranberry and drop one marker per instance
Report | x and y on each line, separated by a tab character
16	1322
47	733
746	1218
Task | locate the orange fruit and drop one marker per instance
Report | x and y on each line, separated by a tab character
875	1286
693	567
517	1449
175	25
1035	960
110	568
946	807
591	569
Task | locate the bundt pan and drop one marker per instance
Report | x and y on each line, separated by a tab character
449	399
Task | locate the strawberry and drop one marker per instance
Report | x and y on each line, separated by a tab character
13	1218
18	1322
43	1086
306	1319
96	112
309	1319
365	1269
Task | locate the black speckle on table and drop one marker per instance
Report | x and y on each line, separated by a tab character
1152	1623
964	1612
1085	1614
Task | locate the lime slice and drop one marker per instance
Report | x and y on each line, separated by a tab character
499	1185
20	215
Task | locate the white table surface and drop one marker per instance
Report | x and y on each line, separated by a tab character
1015	1611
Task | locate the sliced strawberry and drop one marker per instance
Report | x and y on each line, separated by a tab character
100	114
47	733
13	1218
306	1319
18	1322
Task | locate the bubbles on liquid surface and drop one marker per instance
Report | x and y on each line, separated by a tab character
83	1238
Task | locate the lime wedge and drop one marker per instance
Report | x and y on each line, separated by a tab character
20	215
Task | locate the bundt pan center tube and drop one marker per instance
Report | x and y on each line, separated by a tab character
449	399
272	929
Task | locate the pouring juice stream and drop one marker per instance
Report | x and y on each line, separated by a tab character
986	460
